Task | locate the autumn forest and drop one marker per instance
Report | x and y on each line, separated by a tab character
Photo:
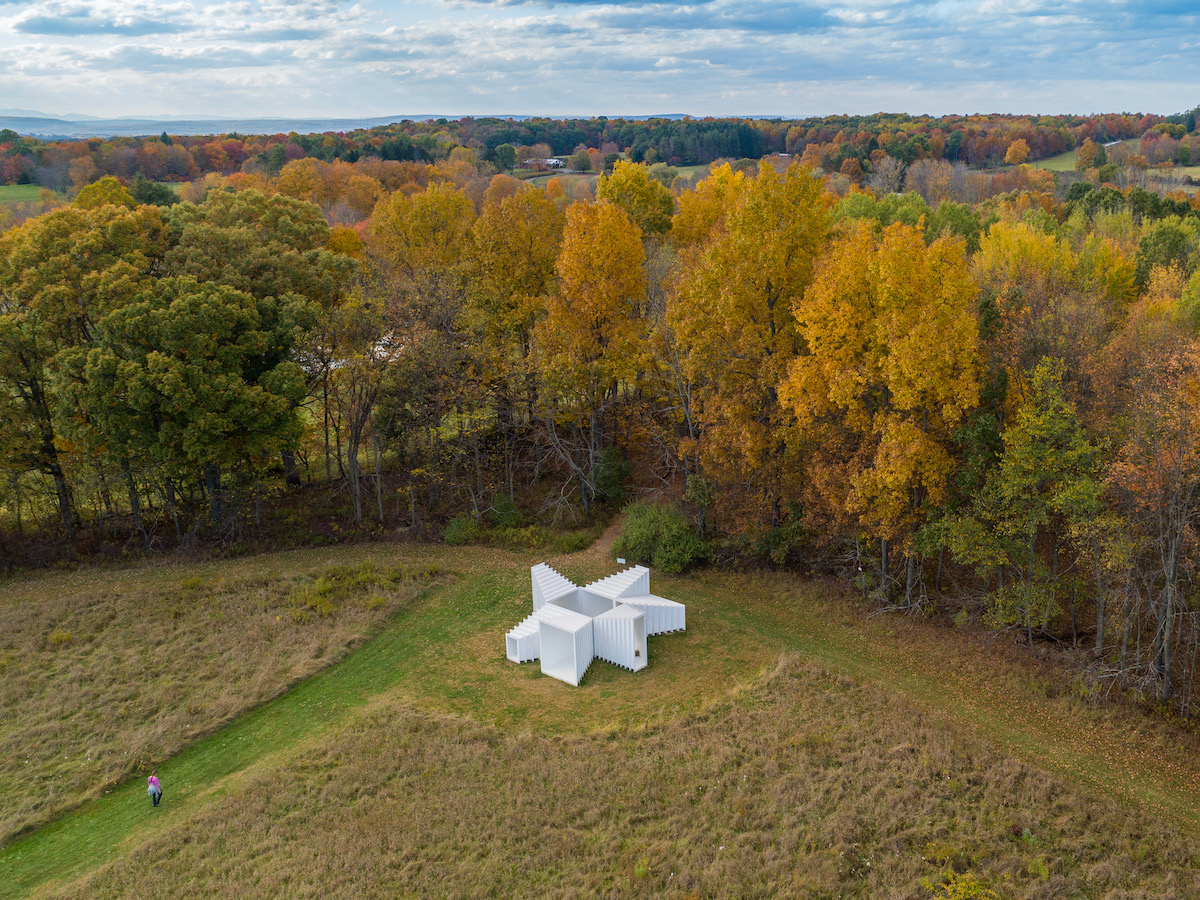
889	349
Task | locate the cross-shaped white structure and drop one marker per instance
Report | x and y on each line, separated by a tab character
610	618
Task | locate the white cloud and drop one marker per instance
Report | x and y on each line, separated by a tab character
705	57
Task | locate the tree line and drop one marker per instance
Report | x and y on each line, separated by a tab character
978	140
994	402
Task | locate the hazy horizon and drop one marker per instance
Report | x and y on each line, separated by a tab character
320	59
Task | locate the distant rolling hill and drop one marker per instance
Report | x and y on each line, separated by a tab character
35	124
49	127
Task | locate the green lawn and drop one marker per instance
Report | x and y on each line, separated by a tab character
1063	162
27	193
19	193
444	656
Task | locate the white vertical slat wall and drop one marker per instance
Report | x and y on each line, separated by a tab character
549	586
662	615
592	604
522	644
566	643
620	636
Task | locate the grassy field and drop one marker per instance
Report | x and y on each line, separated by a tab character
109	677
19	193
1063	162
590	177
568	178
877	753
810	784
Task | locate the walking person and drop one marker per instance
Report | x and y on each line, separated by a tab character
154	789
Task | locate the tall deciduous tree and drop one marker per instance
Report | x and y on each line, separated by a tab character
263	246
510	272
419	242
60	274
420	246
1036	505
1156	479
1037	301
107	191
1017	153
198	378
646	201
890	358
590	344
271	248
732	314
361	348
511	256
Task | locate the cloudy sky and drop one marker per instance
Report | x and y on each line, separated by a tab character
583	57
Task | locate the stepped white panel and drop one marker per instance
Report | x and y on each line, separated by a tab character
634	581
620	636
639	582
566	644
662	615
549	585
522	642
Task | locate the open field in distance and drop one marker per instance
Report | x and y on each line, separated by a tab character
19	193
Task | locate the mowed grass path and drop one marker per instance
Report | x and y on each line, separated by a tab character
445	653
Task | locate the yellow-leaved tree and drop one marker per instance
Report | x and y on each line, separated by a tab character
590	346
511	257
510	275
702	209
647	202
888	372
752	247
418	245
421	234
1040	299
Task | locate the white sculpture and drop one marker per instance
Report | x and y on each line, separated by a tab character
610	618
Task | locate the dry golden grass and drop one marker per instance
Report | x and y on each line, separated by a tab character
810	784
101	682
457	740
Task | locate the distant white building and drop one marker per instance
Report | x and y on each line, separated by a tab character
610	618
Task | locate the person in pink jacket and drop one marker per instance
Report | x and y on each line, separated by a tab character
154	788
